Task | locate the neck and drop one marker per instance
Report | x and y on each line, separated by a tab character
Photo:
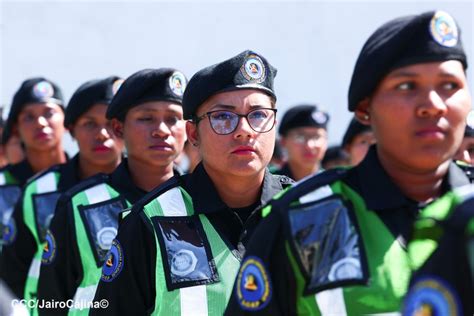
88	168
421	186
148	177
41	160
237	191
299	172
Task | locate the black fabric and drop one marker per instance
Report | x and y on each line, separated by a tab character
89	94
21	171
164	84
16	257
285	171
33	90
228	75
138	273
59	280
401	42
304	115
355	128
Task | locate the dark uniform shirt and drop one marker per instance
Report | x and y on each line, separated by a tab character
60	280
21	171
380	194
133	293
16	257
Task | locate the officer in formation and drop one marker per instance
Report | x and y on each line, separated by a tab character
179	250
99	151
335	157
357	140
36	118
146	114
303	134
335	244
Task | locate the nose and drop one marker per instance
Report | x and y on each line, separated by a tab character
103	133
162	130
42	121
243	129
432	105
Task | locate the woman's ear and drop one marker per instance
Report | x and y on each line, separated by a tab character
117	127
362	111
192	133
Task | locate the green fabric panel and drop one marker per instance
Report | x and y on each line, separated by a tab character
9	178
442	207
218	294
188	202
470	228
28	212
153	209
267	209
306	305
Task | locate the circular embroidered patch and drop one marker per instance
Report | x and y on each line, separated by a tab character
183	262
346	268
319	117
105	236
253	69
114	263
49	249
43	89
254	289
431	296
9	232
443	29
177	83
116	85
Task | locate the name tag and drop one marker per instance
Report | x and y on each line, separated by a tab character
185	250
327	244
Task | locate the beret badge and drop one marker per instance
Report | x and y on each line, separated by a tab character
443	29
253	69
177	83
43	89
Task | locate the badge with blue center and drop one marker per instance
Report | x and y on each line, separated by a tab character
9	232
254	289
43	90
114	263
177	83
443	29
49	249
253	69
431	296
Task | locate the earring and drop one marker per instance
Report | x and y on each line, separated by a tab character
366	116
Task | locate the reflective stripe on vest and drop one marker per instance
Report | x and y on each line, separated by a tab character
210	299
44	184
91	272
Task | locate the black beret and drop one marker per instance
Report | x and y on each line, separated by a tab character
89	94
34	90
428	37
247	70
164	84
469	131
355	128
303	116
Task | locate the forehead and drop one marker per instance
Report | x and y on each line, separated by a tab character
97	109
33	107
157	106
450	67
238	99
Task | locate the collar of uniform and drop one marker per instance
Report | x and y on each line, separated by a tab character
378	190
121	180
69	173
285	171
205	196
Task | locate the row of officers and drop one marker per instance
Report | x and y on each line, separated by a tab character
394	234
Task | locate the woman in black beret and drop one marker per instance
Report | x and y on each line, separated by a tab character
336	243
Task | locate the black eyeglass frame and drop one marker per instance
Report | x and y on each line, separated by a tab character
198	119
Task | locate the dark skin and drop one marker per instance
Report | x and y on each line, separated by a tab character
430	102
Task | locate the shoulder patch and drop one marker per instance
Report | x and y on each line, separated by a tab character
431	296
49	250
114	263
253	288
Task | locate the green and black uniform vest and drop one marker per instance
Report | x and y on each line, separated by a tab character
191	258
441	253
80	237
334	244
32	217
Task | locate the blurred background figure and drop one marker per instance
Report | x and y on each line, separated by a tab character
188	159
336	156
357	140
465	152
303	134
12	152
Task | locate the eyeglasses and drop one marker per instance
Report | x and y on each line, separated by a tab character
226	122
304	139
